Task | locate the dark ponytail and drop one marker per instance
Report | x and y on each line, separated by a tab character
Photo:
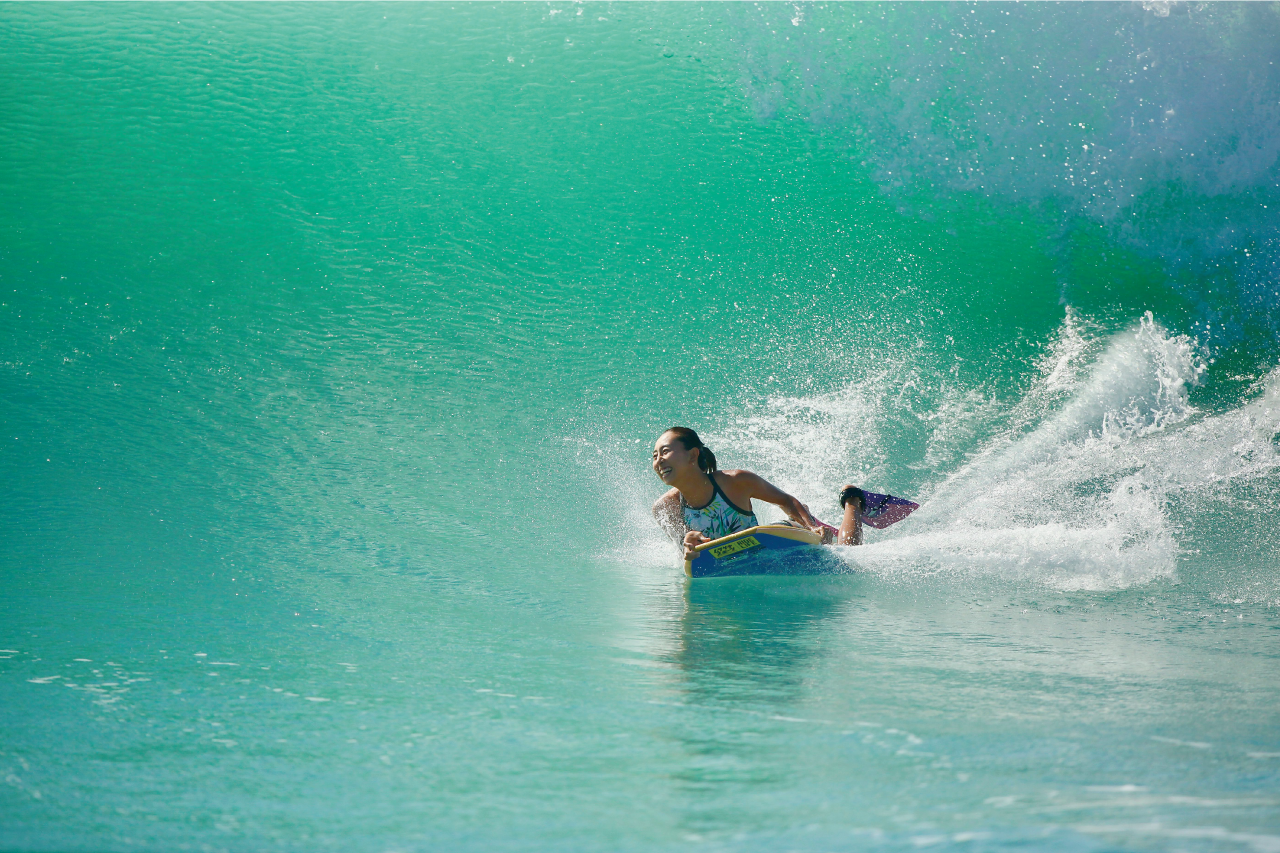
690	440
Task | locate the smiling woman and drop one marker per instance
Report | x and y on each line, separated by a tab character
705	503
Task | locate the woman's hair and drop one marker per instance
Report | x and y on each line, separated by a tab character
690	440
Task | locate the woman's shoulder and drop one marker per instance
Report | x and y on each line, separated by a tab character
668	500
736	475
738	484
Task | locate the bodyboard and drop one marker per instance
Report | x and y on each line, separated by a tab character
768	549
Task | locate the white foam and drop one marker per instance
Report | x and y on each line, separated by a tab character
1080	500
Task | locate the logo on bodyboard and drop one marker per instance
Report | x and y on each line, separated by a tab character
736	548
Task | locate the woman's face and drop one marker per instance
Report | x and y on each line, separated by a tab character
671	459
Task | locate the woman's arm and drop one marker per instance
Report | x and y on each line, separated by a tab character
759	488
666	511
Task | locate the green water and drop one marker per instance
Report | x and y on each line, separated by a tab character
335	339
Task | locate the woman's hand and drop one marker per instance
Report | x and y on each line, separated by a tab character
692	540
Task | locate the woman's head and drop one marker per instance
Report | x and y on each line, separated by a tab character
678	451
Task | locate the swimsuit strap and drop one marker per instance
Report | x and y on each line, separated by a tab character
716	491
725	497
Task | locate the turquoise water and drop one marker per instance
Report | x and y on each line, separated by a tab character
336	337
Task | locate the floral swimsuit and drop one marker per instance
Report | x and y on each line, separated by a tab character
719	517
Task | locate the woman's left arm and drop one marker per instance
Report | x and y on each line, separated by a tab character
761	489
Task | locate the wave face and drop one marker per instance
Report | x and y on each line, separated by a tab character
1158	123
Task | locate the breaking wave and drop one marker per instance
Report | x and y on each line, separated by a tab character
1157	122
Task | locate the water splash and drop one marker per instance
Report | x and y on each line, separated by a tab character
1083	497
811	446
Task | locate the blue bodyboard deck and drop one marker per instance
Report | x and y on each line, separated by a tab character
769	549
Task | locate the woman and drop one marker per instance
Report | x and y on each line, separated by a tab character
705	503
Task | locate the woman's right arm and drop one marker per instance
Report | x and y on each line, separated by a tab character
666	511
